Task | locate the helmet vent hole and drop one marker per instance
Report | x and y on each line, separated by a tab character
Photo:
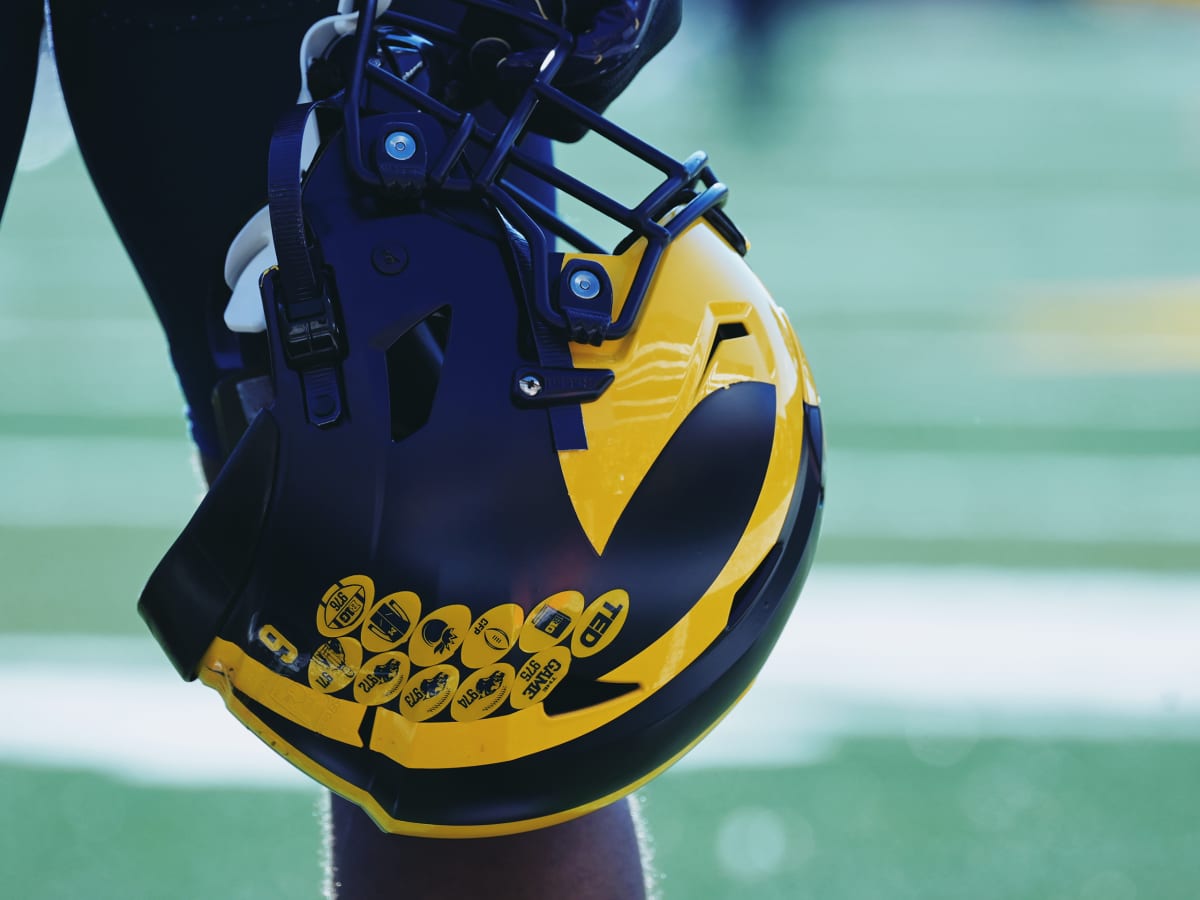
751	589
584	695
414	365
726	331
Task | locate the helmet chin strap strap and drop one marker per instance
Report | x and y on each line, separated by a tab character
253	250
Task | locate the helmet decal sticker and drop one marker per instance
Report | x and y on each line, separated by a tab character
482	692
428	692
391	621
536	651
540	675
600	623
335	664
551	621
492	635
344	605
381	677
439	635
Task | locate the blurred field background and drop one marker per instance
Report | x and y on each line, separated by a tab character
984	222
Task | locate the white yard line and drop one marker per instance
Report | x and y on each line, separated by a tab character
962	654
926	654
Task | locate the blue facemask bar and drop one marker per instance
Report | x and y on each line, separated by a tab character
689	187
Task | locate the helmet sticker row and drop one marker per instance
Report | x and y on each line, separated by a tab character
385	651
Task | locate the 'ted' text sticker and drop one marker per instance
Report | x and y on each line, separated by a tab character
600	623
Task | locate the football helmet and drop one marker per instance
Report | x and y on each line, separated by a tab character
522	521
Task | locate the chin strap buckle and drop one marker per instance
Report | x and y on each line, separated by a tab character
313	340
313	346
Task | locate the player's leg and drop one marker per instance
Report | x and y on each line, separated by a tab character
173	103
592	858
18	70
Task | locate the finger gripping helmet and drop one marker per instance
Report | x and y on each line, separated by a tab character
520	526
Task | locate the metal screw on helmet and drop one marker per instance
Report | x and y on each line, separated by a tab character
530	385
400	145
389	258
585	284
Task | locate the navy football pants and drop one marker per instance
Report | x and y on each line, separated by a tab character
173	104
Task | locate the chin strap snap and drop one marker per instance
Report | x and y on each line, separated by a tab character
305	311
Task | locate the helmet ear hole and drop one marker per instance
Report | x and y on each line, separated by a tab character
414	364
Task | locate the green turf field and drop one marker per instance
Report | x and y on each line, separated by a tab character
982	220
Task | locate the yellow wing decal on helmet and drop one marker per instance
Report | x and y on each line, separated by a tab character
667	365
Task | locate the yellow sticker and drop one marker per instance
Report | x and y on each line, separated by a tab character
285	651
551	621
428	692
482	693
391	621
539	676
600	623
439	634
334	664
492	635
381	677
344	605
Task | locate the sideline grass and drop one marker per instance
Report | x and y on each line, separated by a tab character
882	818
69	834
938	820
